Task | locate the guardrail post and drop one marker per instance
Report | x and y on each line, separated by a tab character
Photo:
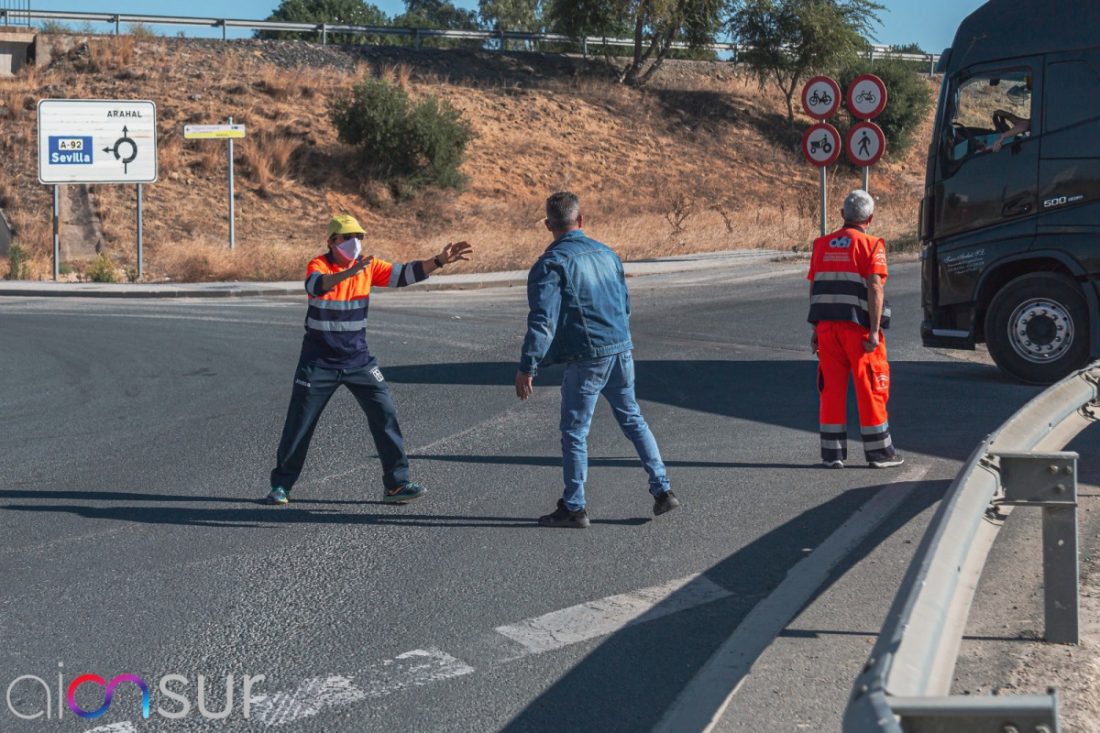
324	34
1049	480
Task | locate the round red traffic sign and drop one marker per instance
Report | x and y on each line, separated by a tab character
865	144
821	144
867	97
821	97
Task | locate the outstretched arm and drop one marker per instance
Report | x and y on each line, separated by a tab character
453	252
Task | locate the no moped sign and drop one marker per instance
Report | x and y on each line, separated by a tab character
821	144
821	97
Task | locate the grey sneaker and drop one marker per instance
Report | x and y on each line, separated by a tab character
894	460
278	495
564	517
665	502
403	494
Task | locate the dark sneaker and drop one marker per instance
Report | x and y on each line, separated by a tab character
665	502
403	494
278	495
563	517
833	464
894	460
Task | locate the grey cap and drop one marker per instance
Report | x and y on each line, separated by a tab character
858	206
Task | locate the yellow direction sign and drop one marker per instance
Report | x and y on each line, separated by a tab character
212	132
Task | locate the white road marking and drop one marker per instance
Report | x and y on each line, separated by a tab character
700	705
312	696
607	615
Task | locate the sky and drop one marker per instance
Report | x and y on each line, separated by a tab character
929	23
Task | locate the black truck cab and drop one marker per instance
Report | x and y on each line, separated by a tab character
1010	221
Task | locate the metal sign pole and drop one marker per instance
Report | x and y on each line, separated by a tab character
866	178
824	200
232	231
140	248
56	231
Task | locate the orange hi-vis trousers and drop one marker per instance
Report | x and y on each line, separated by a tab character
840	354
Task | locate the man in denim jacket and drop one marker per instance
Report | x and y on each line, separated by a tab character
580	315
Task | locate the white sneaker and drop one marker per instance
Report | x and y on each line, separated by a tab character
833	464
887	462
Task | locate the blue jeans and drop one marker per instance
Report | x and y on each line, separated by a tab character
581	386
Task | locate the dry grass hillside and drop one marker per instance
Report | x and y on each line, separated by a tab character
701	161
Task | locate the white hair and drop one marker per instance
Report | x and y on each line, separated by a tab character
858	206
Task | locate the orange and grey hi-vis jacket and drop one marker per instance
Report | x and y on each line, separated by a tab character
839	268
336	321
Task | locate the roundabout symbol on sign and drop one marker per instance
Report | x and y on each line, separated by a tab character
123	141
821	144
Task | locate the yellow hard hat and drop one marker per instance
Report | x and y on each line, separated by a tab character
344	224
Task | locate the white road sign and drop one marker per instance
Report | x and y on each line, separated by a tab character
97	141
213	132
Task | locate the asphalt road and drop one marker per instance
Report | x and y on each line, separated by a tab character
138	436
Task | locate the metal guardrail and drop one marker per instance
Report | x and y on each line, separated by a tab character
416	34
905	685
16	12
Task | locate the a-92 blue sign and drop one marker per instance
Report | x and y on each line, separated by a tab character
70	150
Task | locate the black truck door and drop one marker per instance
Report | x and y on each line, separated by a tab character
985	196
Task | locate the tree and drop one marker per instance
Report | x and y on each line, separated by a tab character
408	143
654	26
511	15
336	12
786	41
439	14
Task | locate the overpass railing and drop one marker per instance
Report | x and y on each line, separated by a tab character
415	34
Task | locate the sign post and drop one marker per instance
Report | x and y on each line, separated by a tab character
821	145
821	142
95	141
227	132
866	143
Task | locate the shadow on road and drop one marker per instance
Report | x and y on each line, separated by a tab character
247	514
629	680
926	413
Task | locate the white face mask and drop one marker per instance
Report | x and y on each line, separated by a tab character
349	249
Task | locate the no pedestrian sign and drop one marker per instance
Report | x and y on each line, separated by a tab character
97	141
866	143
821	144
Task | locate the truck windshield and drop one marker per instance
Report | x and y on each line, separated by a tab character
989	112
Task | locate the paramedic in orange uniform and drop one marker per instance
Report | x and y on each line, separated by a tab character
849	312
334	353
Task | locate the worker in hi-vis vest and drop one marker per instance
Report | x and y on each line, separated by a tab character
849	311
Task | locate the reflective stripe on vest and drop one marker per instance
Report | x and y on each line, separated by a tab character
842	296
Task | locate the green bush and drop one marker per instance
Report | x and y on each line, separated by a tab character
102	270
417	143
18	263
909	98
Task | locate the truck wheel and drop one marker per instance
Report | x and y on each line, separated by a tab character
1037	327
